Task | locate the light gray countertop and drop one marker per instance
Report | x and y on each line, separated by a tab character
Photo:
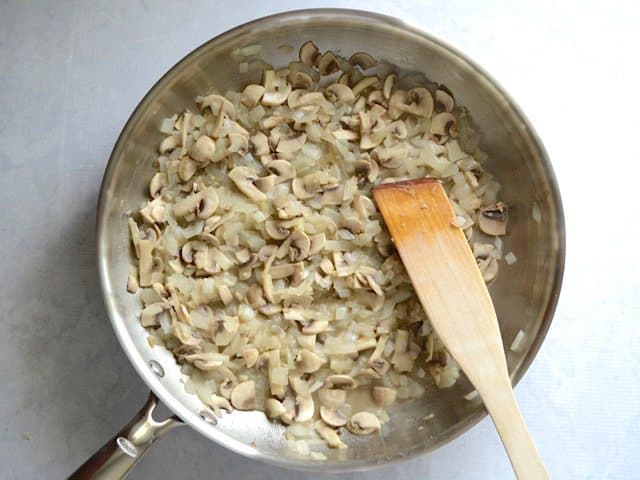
72	72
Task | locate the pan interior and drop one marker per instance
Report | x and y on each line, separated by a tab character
524	294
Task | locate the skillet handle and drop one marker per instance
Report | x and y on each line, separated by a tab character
119	455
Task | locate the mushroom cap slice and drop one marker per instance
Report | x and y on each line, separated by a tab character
300	98
366	168
304	408
309	362
291	143
444	101
208	203
363	423
187	169
443	126
492	220
362	60
388	85
243	177
251	95
333	417
203	149
243	396
339	94
309	53
282	169
301	80
274	408
277	89
275	230
158	182
329	435
328	63
169	143
259	144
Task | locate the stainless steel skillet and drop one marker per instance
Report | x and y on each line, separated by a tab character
525	296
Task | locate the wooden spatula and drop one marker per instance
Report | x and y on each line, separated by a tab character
450	287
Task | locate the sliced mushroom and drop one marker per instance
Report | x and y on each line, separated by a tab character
226	387
329	435
363	423
298	385
219	403
132	284
203	149
388	85
243	396
384	396
328	63
187	169
298	246
238	143
277	89
339	94
208	203
492	220
251	95
444	101
282	169
443	125
245	269
340	381
291	143
366	168
300	98
226	330
309	362
304	408
362	60
158	182
169	143
309	54
301	80
259	144
243	177
391	157
363	84
333	417
489	268
299	189
274	408
218	105
266	184
332	397
275	230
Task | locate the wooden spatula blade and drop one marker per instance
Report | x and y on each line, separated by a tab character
441	266
450	287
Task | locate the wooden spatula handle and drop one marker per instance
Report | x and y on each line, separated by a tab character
525	459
